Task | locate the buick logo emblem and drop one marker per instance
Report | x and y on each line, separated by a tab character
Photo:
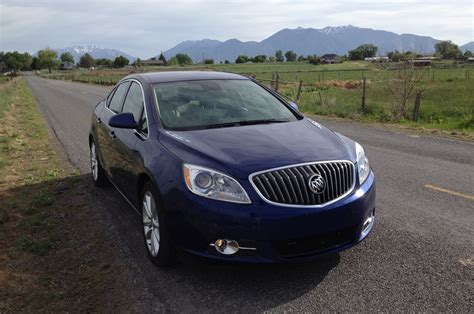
317	184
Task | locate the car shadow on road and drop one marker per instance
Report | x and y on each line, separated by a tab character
195	284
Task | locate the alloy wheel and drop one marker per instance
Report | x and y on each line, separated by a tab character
151	225
94	163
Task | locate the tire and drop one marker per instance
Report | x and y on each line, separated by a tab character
155	234
97	172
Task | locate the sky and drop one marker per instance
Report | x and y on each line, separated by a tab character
144	28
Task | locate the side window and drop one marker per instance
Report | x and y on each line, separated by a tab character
134	104
115	103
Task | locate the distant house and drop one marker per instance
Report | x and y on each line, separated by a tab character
431	58
330	58
66	66
470	60
377	59
151	62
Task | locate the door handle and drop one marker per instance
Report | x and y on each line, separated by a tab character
99	120
112	134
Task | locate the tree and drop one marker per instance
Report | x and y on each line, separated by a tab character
279	56
15	61
209	61
47	59
226	62
35	64
103	62
86	61
162	58
290	55
184	59
259	59
395	56
242	59
468	54
173	61
120	62
66	57
447	49
403	88
314	59
363	51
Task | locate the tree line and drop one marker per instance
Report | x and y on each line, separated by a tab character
443	50
48	59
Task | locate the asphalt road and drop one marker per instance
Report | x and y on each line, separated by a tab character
420	256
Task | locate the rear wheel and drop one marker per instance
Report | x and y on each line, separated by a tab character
98	173
157	240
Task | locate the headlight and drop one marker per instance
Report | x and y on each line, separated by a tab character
363	166
213	184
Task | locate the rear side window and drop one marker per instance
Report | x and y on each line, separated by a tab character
134	104
134	101
115	103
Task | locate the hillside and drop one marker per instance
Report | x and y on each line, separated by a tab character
305	41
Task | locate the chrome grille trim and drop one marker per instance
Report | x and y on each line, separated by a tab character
287	186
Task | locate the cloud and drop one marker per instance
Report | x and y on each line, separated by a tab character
144	28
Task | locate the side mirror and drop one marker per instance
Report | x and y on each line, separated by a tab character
294	106
123	121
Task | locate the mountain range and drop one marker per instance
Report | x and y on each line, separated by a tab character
468	46
95	51
306	41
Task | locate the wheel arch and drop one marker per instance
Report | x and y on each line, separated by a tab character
144	178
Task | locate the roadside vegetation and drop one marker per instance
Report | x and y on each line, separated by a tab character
53	255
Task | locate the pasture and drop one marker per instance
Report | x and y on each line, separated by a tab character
447	90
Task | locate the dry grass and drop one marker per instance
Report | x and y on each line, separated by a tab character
53	251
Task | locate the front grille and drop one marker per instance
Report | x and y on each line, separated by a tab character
291	186
313	245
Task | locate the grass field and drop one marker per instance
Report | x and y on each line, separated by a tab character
447	101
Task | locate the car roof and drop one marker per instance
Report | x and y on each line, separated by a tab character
176	76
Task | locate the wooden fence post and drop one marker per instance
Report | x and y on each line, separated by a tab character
299	91
272	82
416	109
276	82
362	108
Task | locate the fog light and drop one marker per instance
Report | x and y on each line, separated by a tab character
226	247
367	226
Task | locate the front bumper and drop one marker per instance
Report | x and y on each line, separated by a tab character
271	233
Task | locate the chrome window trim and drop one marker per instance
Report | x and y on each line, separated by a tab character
144	106
351	189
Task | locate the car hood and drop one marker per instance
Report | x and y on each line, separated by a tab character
243	150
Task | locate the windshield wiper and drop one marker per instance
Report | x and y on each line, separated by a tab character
240	123
262	121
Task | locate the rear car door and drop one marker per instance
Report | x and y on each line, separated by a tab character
106	134
128	160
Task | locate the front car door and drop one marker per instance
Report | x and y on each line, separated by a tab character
106	134
128	161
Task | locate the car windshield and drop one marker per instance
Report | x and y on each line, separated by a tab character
201	104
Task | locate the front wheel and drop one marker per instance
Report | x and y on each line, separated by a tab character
98	173
157	240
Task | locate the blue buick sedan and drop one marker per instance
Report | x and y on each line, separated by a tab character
221	166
